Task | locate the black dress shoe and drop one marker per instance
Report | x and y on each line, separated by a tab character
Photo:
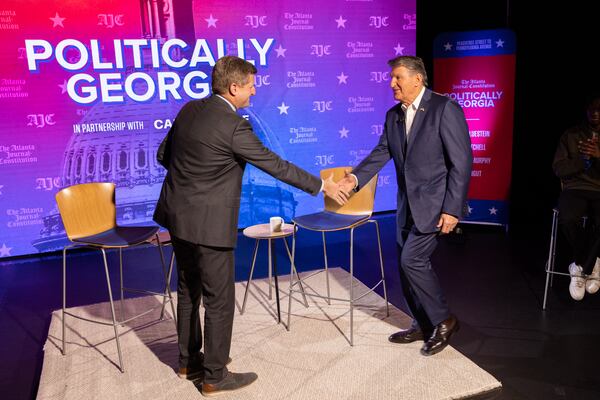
230	383
440	337
407	336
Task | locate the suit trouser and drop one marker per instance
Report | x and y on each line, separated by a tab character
204	272
420	284
573	205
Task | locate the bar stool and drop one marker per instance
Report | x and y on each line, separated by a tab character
550	272
262	232
355	213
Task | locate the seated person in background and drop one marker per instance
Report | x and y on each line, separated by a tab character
577	164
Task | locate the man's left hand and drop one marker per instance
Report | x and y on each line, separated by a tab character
447	223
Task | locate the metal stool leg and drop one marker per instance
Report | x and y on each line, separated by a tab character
326	269
551	257
555	236
270	272
352	287
164	269
274	266
387	304
64	299
168	295
169	287
121	281
293	264
112	310
297	274
252	272
291	278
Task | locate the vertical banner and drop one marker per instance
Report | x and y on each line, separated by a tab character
477	70
89	88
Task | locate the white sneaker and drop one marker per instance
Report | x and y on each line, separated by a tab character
577	285
592	283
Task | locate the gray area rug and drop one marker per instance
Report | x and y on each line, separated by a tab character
312	361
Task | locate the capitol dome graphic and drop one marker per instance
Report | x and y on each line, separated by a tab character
128	159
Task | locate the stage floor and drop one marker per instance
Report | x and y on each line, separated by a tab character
313	360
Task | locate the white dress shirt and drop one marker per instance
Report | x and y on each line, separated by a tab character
411	110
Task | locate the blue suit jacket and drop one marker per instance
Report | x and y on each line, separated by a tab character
433	176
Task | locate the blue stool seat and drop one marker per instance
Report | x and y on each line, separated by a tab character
119	236
329	221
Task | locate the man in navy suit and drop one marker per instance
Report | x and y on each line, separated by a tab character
427	136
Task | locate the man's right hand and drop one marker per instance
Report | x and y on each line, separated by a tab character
589	148
348	183
334	191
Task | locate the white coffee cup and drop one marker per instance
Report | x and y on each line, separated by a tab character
275	224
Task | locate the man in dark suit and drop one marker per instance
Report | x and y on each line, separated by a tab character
427	136
205	154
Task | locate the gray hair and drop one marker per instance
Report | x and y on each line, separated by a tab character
229	70
412	63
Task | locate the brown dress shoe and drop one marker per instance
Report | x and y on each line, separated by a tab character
195	370
407	336
230	383
441	336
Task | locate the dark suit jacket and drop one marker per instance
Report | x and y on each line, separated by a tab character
433	176
205	154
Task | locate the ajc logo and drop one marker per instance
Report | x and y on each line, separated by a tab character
48	183
324	160
322	106
379	76
40	120
378	21
377	130
383	180
256	21
110	20
320	50
262	80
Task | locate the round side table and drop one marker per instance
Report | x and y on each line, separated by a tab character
263	232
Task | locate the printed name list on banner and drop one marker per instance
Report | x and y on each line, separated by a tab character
88	90
477	70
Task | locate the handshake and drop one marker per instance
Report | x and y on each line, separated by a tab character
339	191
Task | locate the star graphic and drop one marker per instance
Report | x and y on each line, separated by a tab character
493	211
399	49
57	21
469	209
342	78
63	87
448	46
5	251
341	22
280	51
283	108
211	21
344	132
499	43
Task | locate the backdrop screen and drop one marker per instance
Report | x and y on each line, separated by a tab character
88	90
